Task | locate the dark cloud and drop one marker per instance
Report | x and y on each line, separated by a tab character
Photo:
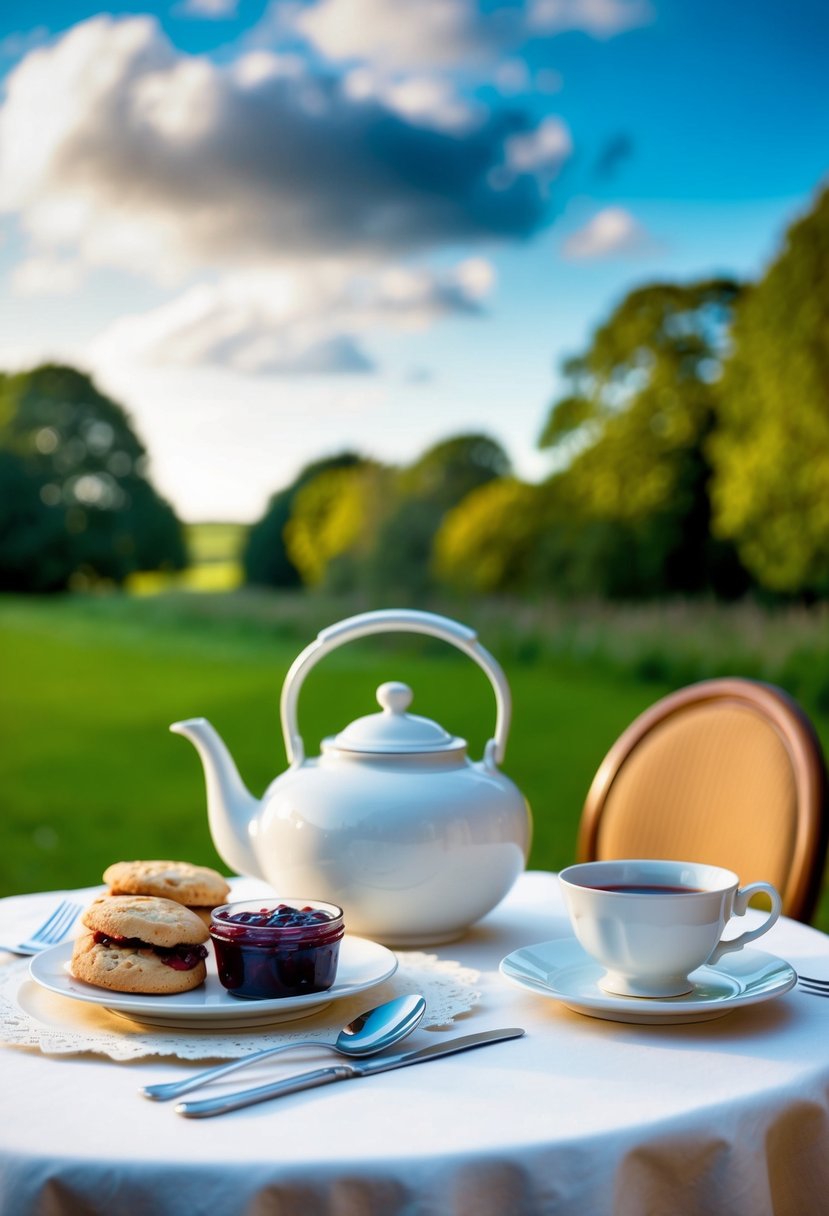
338	355
344	177
247	162
613	155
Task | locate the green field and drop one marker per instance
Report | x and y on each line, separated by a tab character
90	774
214	551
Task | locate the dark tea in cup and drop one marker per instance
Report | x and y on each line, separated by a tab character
651	923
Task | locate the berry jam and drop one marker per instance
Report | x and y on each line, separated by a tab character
281	950
180	958
282	917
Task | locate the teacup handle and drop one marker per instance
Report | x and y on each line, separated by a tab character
741	901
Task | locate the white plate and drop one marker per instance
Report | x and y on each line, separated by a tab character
363	964
563	971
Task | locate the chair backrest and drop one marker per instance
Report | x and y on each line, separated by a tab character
728	772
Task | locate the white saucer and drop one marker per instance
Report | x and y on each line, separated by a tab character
363	964
562	970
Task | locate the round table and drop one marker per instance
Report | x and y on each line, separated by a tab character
581	1116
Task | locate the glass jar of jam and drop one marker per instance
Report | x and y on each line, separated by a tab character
273	949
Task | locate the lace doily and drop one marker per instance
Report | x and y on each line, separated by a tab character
31	1016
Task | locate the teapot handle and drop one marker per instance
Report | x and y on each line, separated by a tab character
392	620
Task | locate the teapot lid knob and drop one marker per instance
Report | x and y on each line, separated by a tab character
394	697
394	731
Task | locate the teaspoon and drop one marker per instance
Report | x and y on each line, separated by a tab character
367	1034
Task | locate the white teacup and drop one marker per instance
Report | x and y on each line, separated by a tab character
651	923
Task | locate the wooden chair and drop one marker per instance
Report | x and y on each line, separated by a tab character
728	772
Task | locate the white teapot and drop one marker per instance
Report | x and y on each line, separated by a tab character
392	821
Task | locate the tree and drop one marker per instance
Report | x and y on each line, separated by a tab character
99	516
399	565
334	522
265	559
771	450
370	527
32	548
448	471
440	478
487	543
632	435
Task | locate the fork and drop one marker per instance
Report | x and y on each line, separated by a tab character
53	929
815	987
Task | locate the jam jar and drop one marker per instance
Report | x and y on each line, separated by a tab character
280	948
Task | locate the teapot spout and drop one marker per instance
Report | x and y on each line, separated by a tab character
231	808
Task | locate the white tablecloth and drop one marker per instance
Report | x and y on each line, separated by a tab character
580	1116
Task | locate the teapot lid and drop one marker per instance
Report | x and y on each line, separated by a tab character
394	731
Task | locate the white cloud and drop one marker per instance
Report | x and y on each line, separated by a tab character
429	100
540	151
412	35
41	276
117	151
257	67
211	9
180	104
610	232
409	35
540	154
290	324
476	278
599	18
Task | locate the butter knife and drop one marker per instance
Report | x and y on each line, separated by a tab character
340	1072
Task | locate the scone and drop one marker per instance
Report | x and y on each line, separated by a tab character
138	943
197	887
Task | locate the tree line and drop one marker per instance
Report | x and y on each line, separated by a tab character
689	455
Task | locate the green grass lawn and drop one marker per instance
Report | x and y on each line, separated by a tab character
90	774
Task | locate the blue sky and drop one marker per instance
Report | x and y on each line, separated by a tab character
275	230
